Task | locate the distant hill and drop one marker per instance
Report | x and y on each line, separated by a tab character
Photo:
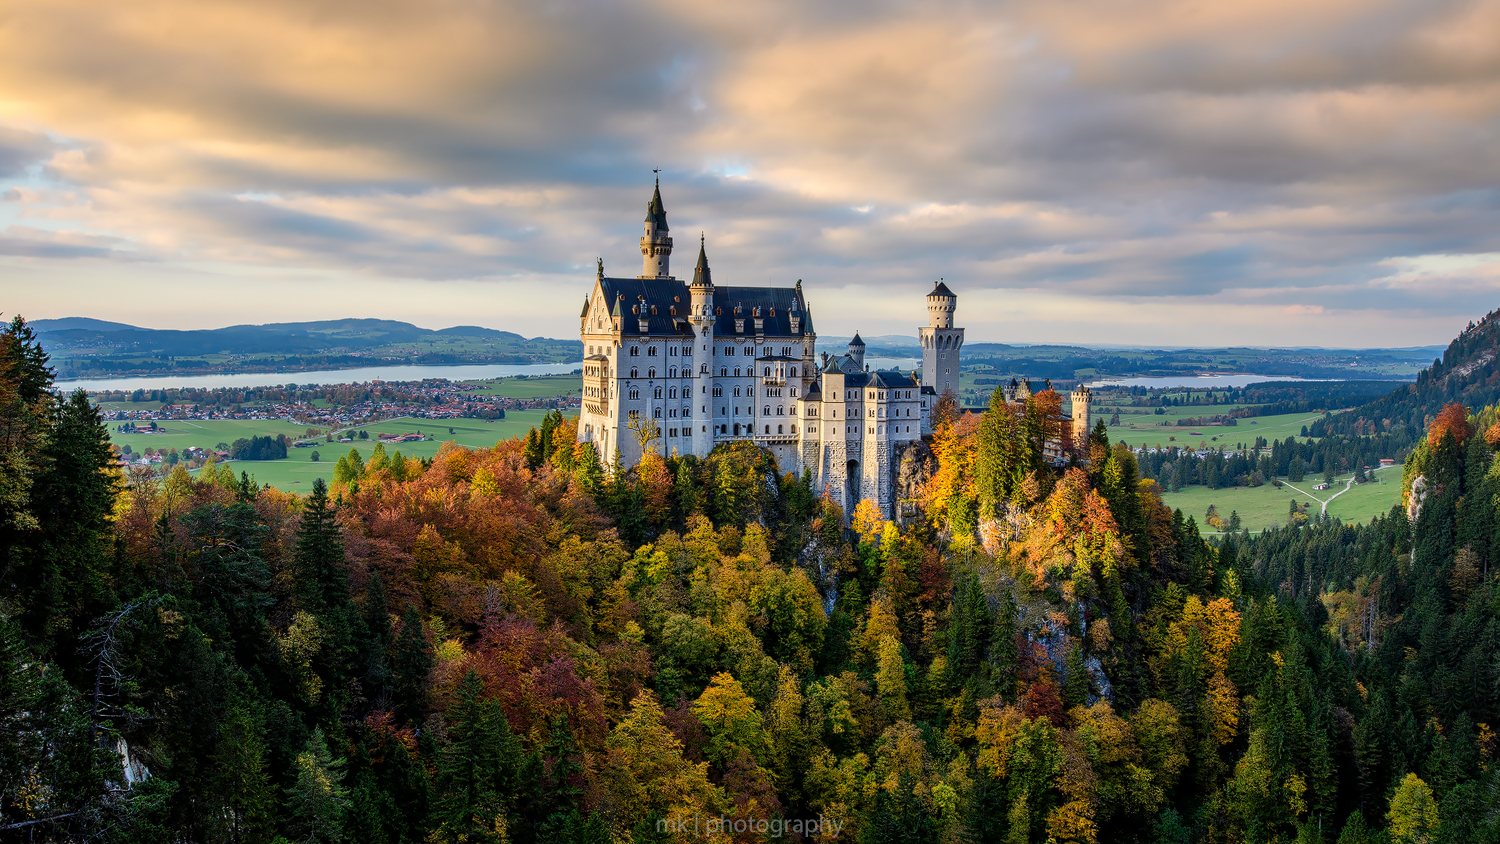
1467	373
78	322
81	346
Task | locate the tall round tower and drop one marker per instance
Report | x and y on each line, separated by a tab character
656	244
1083	401
940	341
941	303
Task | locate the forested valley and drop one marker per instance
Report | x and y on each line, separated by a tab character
514	645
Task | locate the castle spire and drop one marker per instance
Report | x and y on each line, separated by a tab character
656	244
701	276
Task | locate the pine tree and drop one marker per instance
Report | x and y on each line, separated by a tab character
241	779
321	579
532	451
317	801
480	770
410	664
377	641
61	577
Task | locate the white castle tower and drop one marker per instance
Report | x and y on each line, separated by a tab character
656	244
940	341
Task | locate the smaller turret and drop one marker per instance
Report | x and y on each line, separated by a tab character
656	244
941	303
1083	400
702	288
857	351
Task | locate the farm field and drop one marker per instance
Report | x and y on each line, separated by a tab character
1263	506
1155	435
533	387
181	433
298	471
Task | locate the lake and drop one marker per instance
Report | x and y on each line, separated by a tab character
1200	382
468	372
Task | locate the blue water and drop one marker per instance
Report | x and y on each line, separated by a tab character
1199	382
466	372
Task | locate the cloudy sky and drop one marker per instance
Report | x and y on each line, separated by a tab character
1261	172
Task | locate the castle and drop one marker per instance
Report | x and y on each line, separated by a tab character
701	364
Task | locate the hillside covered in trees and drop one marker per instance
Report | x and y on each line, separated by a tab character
511	644
1468	373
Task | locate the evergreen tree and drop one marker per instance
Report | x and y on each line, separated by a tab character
480	771
241	779
317	801
411	663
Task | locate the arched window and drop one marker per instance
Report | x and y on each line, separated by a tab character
656	413
736	391
736	371
778	429
635	373
780	411
768	429
672	393
635	351
793	372
658	392
651	352
767	411
651	373
672	372
723	371
767	373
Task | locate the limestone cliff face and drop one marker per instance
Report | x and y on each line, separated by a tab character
915	465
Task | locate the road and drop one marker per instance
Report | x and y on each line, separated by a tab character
1347	484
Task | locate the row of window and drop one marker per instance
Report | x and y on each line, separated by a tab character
672	351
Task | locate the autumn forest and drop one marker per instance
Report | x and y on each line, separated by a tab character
515	645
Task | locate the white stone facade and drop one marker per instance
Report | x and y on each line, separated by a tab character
707	364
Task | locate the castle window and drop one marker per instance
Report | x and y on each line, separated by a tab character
672	372
658	392
635	393
794	392
736	391
778	429
749	391
736	371
656	413
634	414
651	352
729	351
635	373
651	373
723	411
673	433
767	373
767	411
635	351
687	351
723	371
718	391
793	372
780	411
672	393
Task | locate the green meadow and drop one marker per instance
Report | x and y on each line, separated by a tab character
1263	506
1149	431
299	470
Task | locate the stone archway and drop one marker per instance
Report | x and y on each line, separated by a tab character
851	483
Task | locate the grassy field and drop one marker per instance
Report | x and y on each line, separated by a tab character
1137	431
181	433
1263	506
532	387
298	471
